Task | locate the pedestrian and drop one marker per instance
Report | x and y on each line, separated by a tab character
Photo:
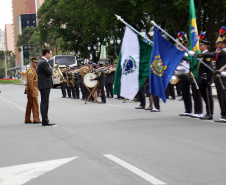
32	93
45	72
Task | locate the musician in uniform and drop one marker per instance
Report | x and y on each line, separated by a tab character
101	78
32	93
63	85
205	80
81	85
219	79
72	82
76	75
67	76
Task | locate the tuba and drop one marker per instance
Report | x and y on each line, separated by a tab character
58	74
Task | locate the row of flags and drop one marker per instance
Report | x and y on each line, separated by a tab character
138	60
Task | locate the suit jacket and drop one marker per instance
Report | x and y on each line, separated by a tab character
44	75
101	76
32	82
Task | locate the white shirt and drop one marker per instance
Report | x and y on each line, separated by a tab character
183	66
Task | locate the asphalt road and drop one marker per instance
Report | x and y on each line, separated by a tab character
108	144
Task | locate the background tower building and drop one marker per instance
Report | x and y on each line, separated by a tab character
20	8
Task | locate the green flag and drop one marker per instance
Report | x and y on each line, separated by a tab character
193	38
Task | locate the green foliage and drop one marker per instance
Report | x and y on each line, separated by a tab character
68	25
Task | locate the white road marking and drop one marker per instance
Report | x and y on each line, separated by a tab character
13	104
135	170
21	174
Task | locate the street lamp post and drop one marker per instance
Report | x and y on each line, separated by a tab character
115	43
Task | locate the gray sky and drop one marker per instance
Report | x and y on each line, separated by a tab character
6	15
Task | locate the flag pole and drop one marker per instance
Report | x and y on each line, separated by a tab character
154	24
122	20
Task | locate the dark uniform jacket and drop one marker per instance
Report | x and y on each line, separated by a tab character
44	75
203	69
220	56
101	76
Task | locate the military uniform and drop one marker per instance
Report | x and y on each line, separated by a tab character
205	79
220	82
101	78
32	102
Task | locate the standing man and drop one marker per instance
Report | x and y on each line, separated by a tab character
205	81
44	84
101	78
32	93
220	80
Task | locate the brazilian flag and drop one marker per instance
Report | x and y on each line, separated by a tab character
193	38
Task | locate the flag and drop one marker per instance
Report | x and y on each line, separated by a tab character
193	38
133	65
165	58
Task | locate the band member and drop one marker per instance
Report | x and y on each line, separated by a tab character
32	93
205	80
68	78
220	81
101	78
63	85
76	75
72	82
185	79
44	84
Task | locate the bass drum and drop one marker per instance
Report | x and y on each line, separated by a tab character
84	70
87	82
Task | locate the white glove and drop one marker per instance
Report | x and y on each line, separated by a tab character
191	53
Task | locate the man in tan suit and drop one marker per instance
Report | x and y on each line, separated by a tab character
32	93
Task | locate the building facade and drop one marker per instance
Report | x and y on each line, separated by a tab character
21	7
9	38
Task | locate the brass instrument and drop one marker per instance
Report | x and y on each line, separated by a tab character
57	73
73	79
174	79
67	80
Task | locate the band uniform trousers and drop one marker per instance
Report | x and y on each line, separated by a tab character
44	105
68	90
63	89
32	104
156	102
203	87
141	94
221	95
72	90
77	89
103	98
196	94
186	95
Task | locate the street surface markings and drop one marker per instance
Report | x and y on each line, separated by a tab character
135	170
20	174
13	104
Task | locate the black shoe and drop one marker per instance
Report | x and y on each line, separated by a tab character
140	107
37	122
207	117
28	122
220	121
102	102
48	124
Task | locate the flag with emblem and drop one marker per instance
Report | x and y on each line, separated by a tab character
193	38
133	65
165	58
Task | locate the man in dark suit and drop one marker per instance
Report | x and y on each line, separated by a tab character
45	71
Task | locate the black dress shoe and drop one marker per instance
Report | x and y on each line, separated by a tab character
140	107
102	102
28	122
37	122
207	117
48	124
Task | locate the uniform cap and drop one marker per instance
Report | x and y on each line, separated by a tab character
35	59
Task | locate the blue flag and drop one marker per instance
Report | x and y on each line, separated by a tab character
165	58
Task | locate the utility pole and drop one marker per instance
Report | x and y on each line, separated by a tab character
5	60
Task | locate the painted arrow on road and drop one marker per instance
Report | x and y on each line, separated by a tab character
20	174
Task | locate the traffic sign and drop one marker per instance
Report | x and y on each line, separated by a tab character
86	60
